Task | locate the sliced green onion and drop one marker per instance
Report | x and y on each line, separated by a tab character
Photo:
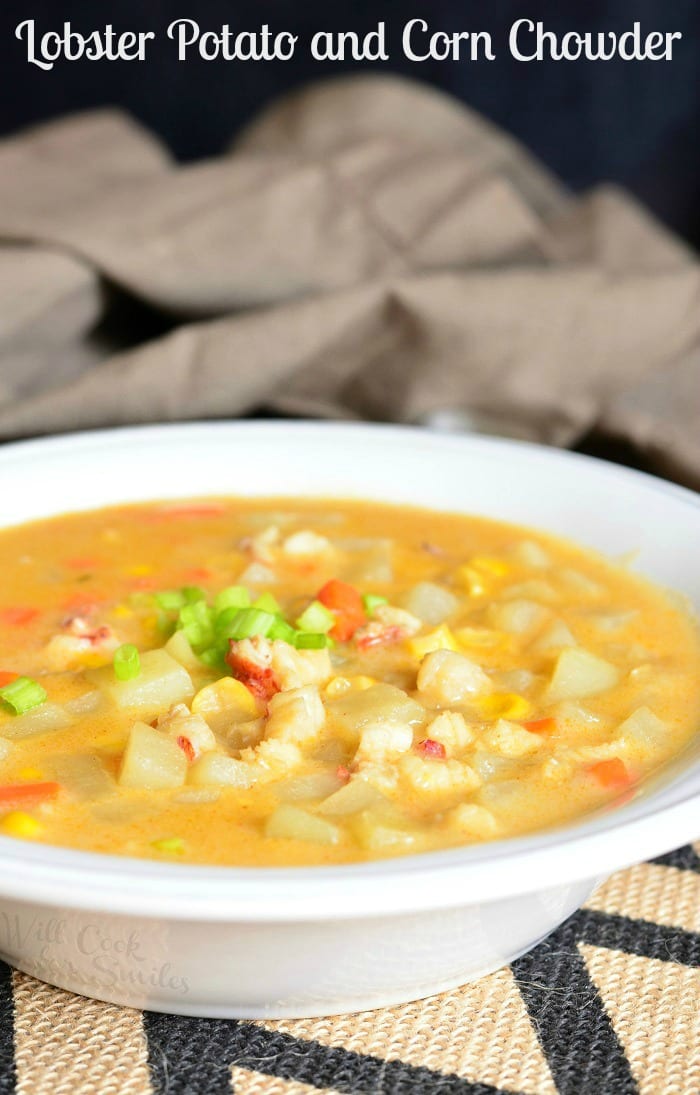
214	657
282	630
371	601
250	622
197	621
225	621
22	694
232	597
311	640
170	600
127	663
192	594
268	603
316	618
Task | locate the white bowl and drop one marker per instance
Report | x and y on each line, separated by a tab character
301	942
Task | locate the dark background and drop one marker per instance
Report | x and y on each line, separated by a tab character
632	122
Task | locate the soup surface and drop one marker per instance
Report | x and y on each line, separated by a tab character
275	682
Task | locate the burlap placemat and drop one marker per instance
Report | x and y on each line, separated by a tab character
607	1005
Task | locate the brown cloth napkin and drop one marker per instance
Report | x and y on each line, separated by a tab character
368	248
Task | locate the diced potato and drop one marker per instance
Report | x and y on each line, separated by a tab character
291	823
225	703
517	680
579	673
376	836
39	720
178	647
509	740
218	770
161	682
483	638
534	589
355	796
449	678
518	616
381	703
312	785
581	583
151	760
86	704
643	727
491	766
430	602
532	554
554	637
612	621
84	776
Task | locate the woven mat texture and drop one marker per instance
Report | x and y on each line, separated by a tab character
607	1005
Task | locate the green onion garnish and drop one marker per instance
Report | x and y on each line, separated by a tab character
311	640
171	600
127	663
232	597
282	630
371	601
197	621
22	694
192	594
316	618
250	622
268	603
214	657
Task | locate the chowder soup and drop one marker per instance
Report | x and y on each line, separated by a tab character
275	682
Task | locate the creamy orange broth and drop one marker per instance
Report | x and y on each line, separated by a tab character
512	753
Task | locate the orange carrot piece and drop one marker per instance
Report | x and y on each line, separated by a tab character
541	726
6	677
18	615
23	794
82	562
345	601
611	774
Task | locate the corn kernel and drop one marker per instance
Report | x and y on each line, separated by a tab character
94	661
439	639
483	637
18	823
491	565
338	685
470	578
123	612
31	774
140	570
503	705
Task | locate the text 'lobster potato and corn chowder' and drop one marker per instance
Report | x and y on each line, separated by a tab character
273	682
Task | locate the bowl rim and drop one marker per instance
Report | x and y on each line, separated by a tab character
413	883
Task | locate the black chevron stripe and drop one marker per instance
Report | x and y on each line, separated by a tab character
685	859
194	1057
583	1052
7	1039
642	937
